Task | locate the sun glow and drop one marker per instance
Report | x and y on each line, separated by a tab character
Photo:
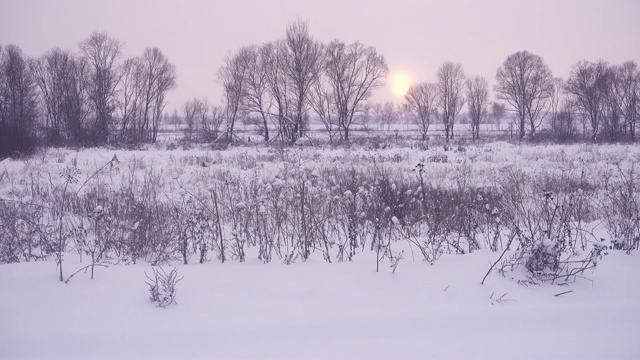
400	84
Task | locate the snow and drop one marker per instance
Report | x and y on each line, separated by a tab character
314	309
320	311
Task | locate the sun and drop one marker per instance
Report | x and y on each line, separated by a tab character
400	84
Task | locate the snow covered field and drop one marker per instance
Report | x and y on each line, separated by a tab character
314	309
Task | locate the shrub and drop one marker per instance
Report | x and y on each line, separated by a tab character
622	210
545	227
162	286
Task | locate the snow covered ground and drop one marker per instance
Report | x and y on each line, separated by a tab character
316	310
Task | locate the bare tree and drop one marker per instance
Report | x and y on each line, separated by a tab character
498	111
158	77
588	84
255	97
62	79
302	59
385	114
202	120
211	122
324	107
525	82
613	124
557	98
421	100
102	53
175	119
231	75
562	117
366	117
274	55
352	73
129	100
477	99
450	84
18	103
190	112
141	95
628	93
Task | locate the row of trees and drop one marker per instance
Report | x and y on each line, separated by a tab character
284	82
94	96
88	97
600	99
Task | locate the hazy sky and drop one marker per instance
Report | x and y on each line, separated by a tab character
415	36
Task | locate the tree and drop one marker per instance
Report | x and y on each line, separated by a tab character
352	73
588	84
325	108
613	124
628	93
525	82
302	57
563	120
201	120
129	102
255	85
211	122
18	103
141	95
175	119
556	101
62	79
158	77
231	75
102	53
385	114
190	114
274	55
421	100
498	111
451	80
477	95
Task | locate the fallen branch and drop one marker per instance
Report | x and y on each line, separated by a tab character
84	268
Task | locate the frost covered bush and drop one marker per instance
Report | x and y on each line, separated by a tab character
552	242
162	286
622	209
458	218
290	205
24	234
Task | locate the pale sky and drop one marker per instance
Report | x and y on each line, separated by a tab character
415	36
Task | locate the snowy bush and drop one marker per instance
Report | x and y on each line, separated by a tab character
552	241
23	233
622	209
290	205
162	286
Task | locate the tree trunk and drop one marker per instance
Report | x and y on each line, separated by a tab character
266	128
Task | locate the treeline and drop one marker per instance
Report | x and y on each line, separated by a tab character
286	81
84	98
282	84
598	101
93	96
